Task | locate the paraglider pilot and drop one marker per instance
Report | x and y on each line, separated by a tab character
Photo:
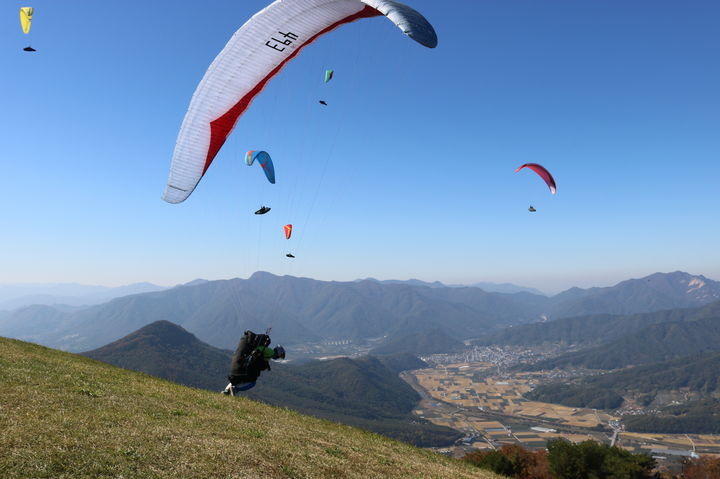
252	355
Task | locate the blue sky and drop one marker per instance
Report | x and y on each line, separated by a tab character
409	172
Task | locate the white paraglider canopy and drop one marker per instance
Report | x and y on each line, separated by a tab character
256	53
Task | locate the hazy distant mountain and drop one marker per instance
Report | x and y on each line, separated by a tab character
656	292
298	309
194	282
659	291
217	312
485	286
360	392
412	282
14	296
305	310
33	323
505	288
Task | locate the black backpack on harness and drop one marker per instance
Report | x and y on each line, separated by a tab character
247	362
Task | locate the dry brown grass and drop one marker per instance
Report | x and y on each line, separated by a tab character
66	416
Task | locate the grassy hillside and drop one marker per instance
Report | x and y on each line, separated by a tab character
361	392
63	415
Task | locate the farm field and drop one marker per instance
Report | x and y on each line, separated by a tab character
458	384
490	410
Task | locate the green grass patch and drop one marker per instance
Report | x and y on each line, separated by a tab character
66	416
334	451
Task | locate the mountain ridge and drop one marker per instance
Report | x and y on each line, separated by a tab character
657	342
593	329
304	310
487	286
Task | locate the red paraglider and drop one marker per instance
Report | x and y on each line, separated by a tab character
543	173
288	231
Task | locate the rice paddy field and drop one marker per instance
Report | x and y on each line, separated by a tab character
492	411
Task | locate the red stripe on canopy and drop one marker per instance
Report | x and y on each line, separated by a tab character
221	127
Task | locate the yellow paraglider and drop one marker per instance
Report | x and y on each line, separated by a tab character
26	14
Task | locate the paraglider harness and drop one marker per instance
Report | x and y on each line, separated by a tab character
248	360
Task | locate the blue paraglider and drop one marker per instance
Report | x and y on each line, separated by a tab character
266	163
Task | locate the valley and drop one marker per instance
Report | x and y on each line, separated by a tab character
484	401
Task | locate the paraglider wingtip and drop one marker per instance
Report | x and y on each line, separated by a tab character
170	199
430	43
425	38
